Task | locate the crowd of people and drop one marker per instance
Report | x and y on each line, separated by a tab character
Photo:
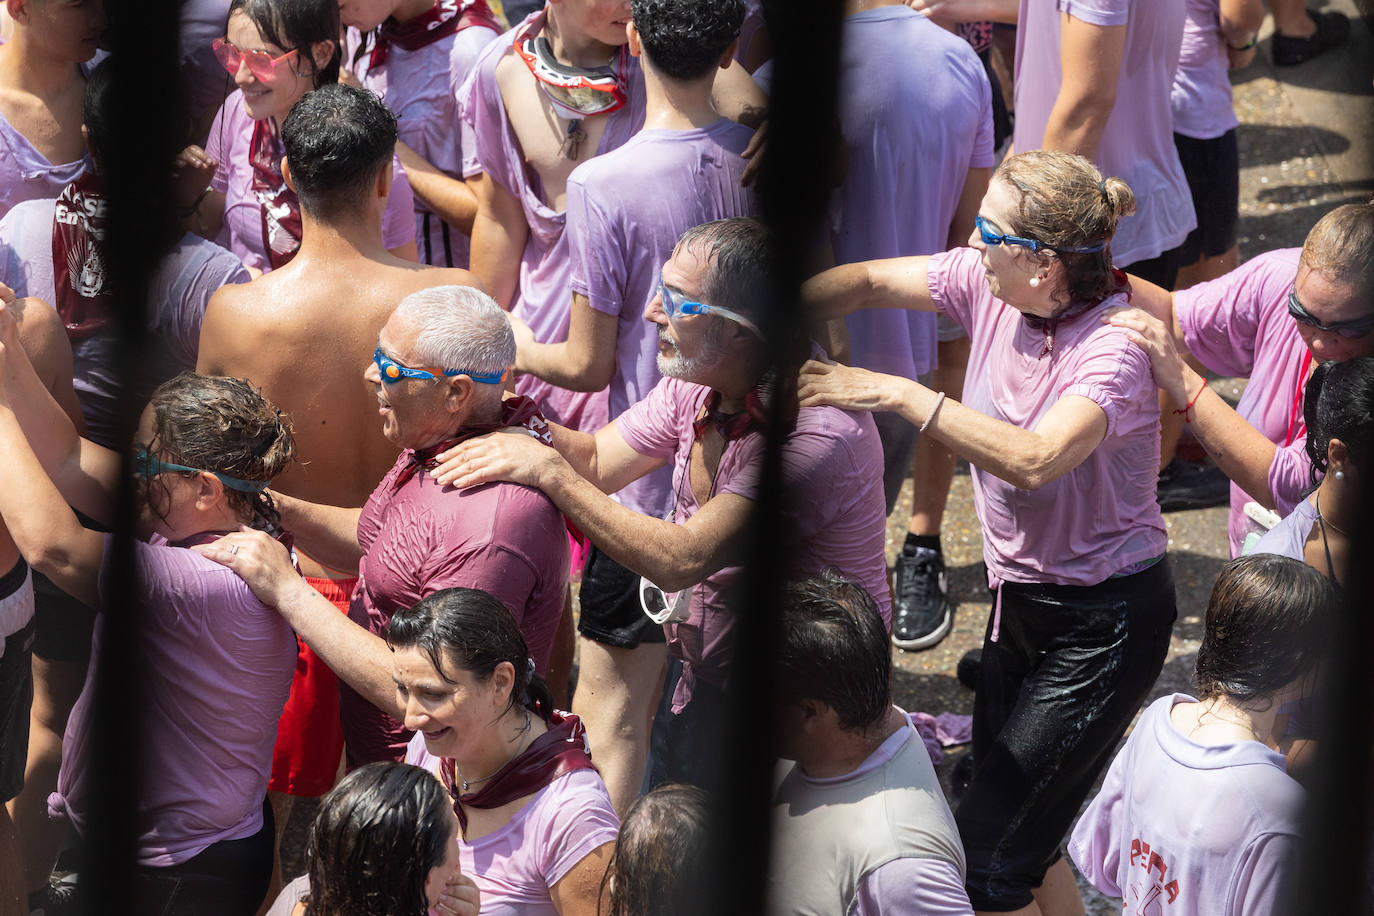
356	571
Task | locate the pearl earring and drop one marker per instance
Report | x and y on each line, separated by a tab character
1034	282
1339	475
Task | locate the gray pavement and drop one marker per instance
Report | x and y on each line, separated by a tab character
1306	146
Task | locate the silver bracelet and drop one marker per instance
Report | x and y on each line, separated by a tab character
931	416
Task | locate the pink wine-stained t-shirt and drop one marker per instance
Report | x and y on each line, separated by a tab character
515	865
1138	143
1100	518
1238	325
217	664
231	136
26	174
916	110
626	211
833	516
1189	829
542	296
417	538
1201	96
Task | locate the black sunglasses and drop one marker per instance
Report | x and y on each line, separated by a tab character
1357	327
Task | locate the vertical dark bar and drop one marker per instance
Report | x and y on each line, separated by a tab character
794	189
1335	876
142	40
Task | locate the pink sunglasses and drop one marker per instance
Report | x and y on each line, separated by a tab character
260	63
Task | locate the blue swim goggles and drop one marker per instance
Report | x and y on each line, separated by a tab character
147	465
674	307
392	371
992	238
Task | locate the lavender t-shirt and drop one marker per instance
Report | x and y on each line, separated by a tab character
1238	325
541	296
1138	143
1201	96
1190	829
26	174
834	515
181	288
217	664
417	538
420	88
626	211
1099	518
1289	537
231	137
515	865
916	110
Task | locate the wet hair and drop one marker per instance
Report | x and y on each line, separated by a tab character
834	649
1339	404
460	328
477	633
222	425
338	139
1341	248
740	258
1066	202
377	836
296	25
659	867
1267	624
685	39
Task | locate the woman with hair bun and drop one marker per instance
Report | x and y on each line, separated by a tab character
217	663
1338	409
1197	816
1061	426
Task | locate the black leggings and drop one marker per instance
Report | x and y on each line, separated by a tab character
228	878
1055	694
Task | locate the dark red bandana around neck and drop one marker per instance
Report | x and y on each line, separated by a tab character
445	18
517	411
1120	284
562	749
81	278
281	210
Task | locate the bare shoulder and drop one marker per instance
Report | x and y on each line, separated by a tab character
456	276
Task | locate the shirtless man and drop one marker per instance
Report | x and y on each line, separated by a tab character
41	89
301	333
45	341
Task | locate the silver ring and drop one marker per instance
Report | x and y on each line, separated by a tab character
233	550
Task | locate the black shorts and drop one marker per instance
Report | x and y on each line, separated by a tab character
610	609
1213	171
1055	694
64	623
16	683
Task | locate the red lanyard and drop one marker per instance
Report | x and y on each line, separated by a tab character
1297	426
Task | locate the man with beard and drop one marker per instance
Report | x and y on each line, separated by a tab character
706	418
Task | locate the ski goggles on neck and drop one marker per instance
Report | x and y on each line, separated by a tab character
584	92
261	64
147	466
392	371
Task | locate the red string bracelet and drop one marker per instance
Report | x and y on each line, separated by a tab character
1189	406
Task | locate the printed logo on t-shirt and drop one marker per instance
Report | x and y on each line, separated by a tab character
1148	894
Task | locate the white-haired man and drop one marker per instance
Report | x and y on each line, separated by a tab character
436	373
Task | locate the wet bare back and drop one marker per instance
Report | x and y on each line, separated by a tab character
304	334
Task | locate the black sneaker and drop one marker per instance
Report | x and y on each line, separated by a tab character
923	614
1189	485
55	899
1333	29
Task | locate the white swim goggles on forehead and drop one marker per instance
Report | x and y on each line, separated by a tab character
580	92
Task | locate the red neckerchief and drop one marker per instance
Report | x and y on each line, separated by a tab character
1120	284
731	425
281	210
517	411
445	18
81	278
562	749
